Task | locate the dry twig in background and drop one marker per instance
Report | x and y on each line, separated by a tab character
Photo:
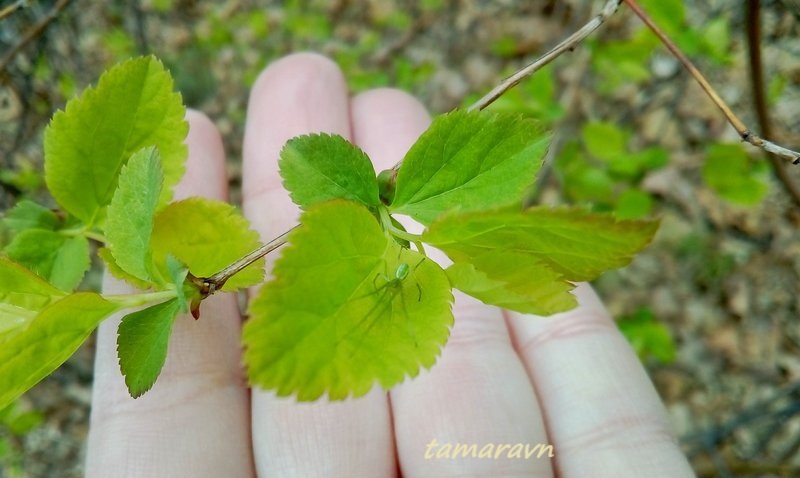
759	96
34	32
567	45
738	125
9	9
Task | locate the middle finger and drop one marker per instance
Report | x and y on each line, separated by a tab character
299	94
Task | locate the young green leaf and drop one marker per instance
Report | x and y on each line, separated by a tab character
577	244
29	215
47	341
133	106
321	167
514	281
206	236
12	319
132	211
142	344
22	295
468	161
348	306
59	259
115	270
177	274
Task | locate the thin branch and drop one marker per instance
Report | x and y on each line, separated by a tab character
32	33
738	125
209	285
9	9
567	45
759	96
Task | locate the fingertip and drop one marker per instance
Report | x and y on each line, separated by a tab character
302	66
205	167
386	122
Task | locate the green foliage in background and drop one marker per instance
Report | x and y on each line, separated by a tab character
15	423
536	97
622	61
650	339
599	168
729	172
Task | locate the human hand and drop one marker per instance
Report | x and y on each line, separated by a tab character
570	381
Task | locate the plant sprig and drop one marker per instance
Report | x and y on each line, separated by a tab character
354	300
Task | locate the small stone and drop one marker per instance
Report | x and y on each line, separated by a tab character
664	67
664	302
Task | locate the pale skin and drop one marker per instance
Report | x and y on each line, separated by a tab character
569	380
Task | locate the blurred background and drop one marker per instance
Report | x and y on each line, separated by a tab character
711	307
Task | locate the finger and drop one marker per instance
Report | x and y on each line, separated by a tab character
386	122
476	399
195	420
300	94
478	370
604	417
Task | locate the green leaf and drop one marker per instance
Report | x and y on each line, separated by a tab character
321	167
59	259
729	172
604	140
12	318
47	341
581	179
142	344
535	98
111	266
348	306
513	281
577	244
669	15
624	61
633	204
22	295
206	236
29	215
469	161
133	106
631	166
716	38
177	275
132	211
648	337
19	422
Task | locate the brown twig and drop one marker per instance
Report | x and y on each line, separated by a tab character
759	96
567	44
738	125
34	31
211	284
9	9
